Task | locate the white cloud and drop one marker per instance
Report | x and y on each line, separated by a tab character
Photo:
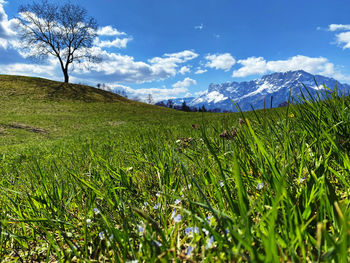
185	83
183	70
200	71
258	66
109	31
115	87
319	65
7	28
123	68
338	27
343	39
251	66
117	42
200	27
158	94
49	70
168	64
183	56
222	61
3	43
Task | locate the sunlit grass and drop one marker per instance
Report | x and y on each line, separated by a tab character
156	189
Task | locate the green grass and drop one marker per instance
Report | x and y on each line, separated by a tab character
108	179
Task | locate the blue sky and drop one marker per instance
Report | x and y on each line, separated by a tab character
177	48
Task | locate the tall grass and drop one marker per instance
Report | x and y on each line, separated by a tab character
276	188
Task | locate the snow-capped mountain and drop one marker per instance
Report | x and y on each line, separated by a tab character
253	93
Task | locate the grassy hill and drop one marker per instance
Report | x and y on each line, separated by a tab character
89	176
43	89
35	110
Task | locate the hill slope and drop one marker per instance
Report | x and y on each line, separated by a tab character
36	110
39	88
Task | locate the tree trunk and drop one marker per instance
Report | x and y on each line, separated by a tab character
66	77
64	69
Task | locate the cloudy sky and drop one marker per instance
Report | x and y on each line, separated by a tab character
177	48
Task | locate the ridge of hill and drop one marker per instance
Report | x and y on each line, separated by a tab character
40	88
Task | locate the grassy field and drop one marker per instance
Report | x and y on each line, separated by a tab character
88	176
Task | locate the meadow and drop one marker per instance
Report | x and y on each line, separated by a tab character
89	176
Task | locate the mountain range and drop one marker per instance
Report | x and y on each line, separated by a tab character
257	93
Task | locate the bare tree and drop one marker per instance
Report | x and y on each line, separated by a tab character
63	31
149	99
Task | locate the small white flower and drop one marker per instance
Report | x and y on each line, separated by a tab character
177	218
301	180
130	169
177	201
191	230
209	219
145	204
210	243
96	211
140	229
88	222
260	186
189	251
101	235
173	213
188	187
157	206
206	232
157	243
221	184
158	194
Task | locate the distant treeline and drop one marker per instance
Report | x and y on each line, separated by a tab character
184	107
